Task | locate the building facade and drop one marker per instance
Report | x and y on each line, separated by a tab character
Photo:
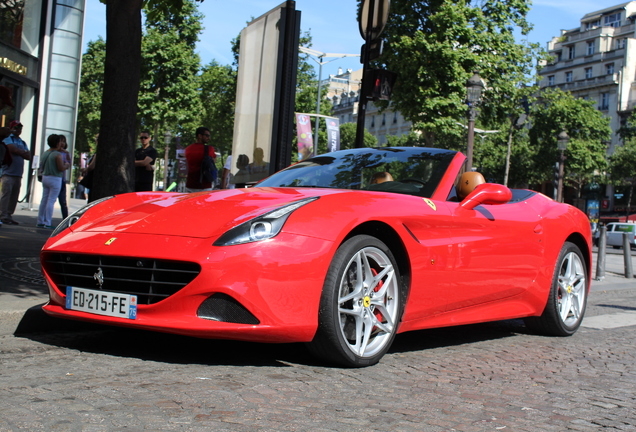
344	93
597	61
40	58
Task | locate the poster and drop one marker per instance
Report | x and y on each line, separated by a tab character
305	141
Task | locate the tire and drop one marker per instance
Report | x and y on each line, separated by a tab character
360	306
567	300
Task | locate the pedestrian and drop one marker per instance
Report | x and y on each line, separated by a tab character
80	190
226	174
5	98
67	159
4	150
145	157
12	174
52	166
194	156
89	172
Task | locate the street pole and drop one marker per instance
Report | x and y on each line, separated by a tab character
561	172
318	105
472	114
319	57
362	100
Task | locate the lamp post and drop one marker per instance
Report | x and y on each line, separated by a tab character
167	137
474	88
562	145
318	57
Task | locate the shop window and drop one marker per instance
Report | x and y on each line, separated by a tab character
20	24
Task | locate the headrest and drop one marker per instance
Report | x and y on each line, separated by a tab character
381	177
468	182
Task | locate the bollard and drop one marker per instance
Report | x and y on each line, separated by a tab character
600	259
627	254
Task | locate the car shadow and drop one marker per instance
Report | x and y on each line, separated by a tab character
420	340
37	326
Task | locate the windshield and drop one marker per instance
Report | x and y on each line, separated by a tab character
412	170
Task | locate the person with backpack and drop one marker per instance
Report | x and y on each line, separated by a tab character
198	154
12	174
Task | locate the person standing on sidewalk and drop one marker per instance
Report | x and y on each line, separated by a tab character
67	160
53	167
12	175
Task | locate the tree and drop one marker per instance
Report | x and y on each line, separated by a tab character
90	96
622	168
348	137
586	127
435	46
114	170
169	97
218	100
628	130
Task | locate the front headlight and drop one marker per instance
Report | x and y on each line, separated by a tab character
71	219
262	227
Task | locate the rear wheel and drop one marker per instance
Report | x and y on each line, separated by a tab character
361	304
564	311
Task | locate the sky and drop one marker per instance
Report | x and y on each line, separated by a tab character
331	23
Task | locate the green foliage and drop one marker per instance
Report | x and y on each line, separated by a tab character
622	164
435	46
586	127
90	96
169	94
218	97
628	130
348	137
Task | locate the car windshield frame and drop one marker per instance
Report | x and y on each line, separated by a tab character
415	170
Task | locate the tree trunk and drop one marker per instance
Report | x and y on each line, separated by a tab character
114	168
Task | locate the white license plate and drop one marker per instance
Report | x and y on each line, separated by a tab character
101	302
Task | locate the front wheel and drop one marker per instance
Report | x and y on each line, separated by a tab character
360	306
564	311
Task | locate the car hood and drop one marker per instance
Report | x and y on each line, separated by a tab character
200	215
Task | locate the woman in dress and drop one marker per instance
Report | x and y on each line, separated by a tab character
53	167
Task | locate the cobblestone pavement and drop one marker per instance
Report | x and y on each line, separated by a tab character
66	376
486	377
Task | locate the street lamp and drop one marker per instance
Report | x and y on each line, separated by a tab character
318	57
167	137
562	145
474	89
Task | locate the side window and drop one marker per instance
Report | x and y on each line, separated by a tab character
452	196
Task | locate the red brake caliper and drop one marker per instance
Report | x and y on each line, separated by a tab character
376	312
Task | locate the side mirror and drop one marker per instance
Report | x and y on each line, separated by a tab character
487	193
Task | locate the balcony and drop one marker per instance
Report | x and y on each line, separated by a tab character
584	84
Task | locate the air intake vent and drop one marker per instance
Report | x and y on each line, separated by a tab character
151	280
222	307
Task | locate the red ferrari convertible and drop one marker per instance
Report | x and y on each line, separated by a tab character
341	251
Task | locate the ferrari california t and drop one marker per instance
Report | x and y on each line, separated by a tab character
341	251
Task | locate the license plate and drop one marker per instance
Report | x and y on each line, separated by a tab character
101	302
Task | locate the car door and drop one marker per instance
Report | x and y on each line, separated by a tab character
613	236
497	251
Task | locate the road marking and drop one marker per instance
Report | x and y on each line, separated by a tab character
602	322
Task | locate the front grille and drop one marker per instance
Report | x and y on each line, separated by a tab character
151	280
